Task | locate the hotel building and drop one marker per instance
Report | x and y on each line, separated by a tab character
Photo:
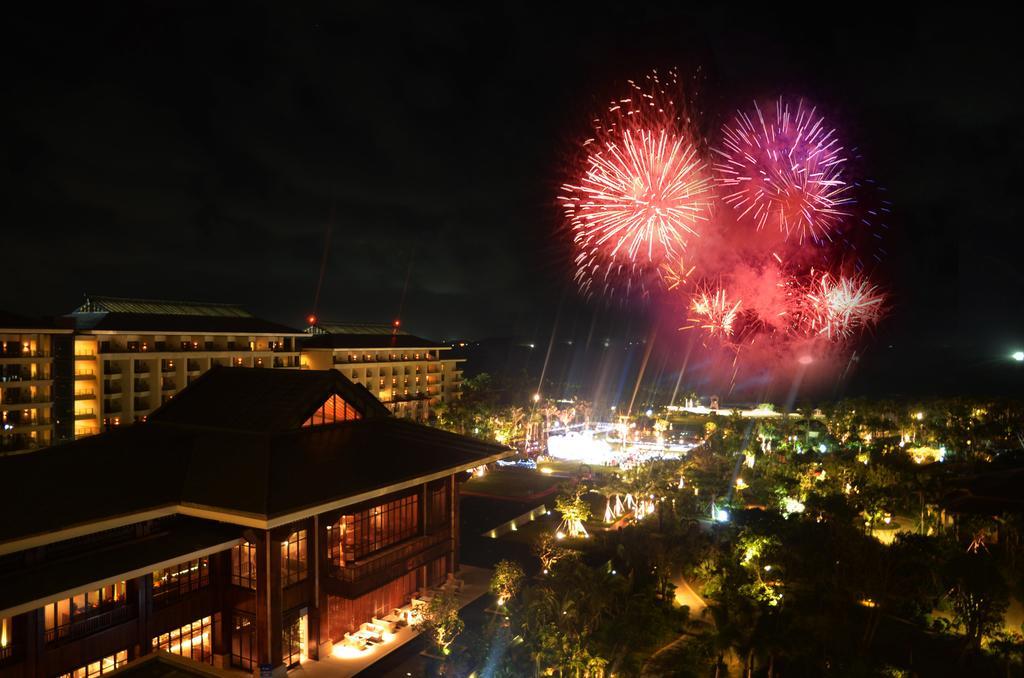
254	521
133	355
412	376
35	380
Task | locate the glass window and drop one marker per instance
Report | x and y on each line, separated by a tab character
294	564
293	641
5	637
172	582
194	641
333	410
243	641
61	615
380	526
99	667
243	566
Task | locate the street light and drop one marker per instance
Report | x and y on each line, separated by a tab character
536	397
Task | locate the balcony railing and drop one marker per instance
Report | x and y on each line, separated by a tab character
388	558
24	354
90	624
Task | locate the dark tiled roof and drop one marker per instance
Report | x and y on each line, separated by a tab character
337	327
262	400
14	321
988	493
97	304
179	535
176	323
359	341
225	460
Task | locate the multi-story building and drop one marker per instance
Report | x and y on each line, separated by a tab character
409	374
255	521
35	380
132	355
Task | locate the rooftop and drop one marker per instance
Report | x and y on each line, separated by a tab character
231	446
361	341
151	315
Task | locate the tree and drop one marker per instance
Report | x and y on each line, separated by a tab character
442	622
575	511
507	580
978	595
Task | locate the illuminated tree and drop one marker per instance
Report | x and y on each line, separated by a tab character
441	620
507	580
575	511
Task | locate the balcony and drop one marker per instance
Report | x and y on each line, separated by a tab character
83	415
168	385
85	375
141	368
21	353
381	567
90	624
91	395
141	386
25	399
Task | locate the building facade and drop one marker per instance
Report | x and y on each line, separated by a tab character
133	355
412	376
35	384
259	519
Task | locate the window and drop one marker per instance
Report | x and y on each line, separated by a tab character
59	616
333	410
243	641
193	641
172	582
5	637
243	566
438	498
294	564
100	666
379	527
293	640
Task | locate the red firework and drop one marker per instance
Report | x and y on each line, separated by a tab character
711	310
784	169
837	307
642	193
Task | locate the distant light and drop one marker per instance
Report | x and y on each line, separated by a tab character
613	408
805	360
547	470
919	416
1018	356
398	323
532	346
536	397
822	448
650	412
311	320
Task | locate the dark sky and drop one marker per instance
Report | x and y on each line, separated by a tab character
161	150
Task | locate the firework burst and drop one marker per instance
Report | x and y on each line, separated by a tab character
711	310
837	307
784	169
642	192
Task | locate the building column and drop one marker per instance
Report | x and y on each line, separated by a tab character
220	579
144	598
455	497
319	639
35	643
269	625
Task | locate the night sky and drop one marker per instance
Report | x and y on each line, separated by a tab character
157	150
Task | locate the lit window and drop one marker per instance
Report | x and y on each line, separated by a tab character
100	666
243	566
194	641
294	564
335	409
